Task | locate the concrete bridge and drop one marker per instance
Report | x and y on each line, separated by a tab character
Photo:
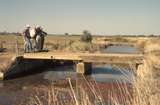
84	61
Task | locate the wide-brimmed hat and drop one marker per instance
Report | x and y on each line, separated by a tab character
37	26
28	26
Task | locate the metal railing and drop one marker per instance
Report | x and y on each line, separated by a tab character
12	47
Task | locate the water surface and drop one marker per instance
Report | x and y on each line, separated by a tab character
106	76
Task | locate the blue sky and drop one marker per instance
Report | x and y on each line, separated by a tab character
74	16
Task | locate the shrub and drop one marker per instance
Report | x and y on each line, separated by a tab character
80	46
66	33
86	37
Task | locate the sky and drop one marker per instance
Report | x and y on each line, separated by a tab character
104	17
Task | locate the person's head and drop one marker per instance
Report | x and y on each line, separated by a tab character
38	27
28	26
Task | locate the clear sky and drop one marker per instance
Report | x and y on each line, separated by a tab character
74	16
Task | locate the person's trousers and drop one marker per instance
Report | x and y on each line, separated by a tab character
27	45
42	42
38	43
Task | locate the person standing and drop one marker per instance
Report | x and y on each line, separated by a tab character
40	34
27	41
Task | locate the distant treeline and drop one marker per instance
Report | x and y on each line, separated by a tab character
129	35
67	34
10	33
107	35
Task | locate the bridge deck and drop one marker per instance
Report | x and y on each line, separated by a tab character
87	57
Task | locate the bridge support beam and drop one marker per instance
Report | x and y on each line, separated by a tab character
84	68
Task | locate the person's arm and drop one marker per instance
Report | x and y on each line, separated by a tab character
44	33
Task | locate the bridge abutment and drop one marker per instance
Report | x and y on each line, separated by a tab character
84	68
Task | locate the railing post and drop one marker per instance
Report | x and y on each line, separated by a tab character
17	47
1	45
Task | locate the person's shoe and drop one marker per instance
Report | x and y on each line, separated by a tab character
26	52
36	50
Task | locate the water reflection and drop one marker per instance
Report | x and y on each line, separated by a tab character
106	77
59	73
110	74
106	73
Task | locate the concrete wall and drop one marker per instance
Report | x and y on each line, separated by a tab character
23	66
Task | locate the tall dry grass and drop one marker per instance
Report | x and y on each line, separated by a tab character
59	96
147	84
85	93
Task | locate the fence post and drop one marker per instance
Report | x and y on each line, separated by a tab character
17	47
1	45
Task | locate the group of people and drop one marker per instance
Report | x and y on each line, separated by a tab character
33	35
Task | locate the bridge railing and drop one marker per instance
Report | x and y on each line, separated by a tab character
13	46
16	46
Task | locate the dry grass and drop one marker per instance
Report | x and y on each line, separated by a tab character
152	45
85	93
5	61
147	91
59	96
54	42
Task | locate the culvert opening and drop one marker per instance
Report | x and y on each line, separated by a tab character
25	67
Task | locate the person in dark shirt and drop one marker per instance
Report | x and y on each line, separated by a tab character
40	34
27	41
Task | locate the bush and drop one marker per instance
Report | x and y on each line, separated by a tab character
86	37
66	34
80	46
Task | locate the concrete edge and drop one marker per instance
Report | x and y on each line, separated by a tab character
1	76
14	58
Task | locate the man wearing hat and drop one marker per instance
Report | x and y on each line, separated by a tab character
40	34
27	41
